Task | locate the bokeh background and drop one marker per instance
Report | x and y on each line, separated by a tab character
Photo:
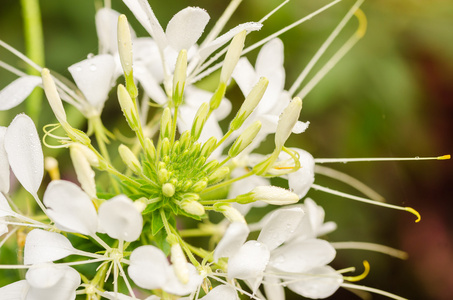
391	96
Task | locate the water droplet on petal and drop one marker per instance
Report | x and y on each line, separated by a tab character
93	68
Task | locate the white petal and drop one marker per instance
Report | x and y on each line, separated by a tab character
4	164
302	256
301	180
300	127
235	235
70	208
186	27
120	219
224	38
5	208
14	291
150	85
221	292
117	296
17	91
52	282
146	52
321	283
106	28
249	262
174	286
94	77
149	267
45	246
245	76
280	226
3	227
145	15
273	288
24	151
269	64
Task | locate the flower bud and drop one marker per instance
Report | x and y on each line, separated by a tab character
217	96
232	56
245	139
199	120
269	194
128	108
250	102
168	189
231	213
179	78
179	262
208	147
200	185
83	170
288	118
125	45
165	124
130	159
192	207
165	148
218	175
150	150
51	92
163	175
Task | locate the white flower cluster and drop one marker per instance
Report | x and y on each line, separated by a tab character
181	164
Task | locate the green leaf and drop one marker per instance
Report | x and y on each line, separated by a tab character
156	222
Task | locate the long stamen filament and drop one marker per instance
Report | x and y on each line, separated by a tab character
365	200
346	160
371	247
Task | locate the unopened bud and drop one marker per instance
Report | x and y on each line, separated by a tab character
179	262
130	159
208	147
128	108
141	204
218	175
193	208
200	185
232	56
231	213
269	194
83	170
150	150
163	175
245	139
125	45
165	124
168	189
199	120
250	102
165	147
179	78
217	97
288	118
51	92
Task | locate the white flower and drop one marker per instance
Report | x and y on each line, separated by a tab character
150	269
44	282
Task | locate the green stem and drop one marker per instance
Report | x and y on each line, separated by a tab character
34	49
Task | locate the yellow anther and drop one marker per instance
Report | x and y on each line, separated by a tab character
444	157
362	23
416	213
365	273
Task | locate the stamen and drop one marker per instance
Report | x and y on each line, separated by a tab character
12	69
273	11
353	182
323	48
352	197
346	160
372	290
371	247
361	276
336	57
21	56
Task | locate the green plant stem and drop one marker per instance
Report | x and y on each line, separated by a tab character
34	49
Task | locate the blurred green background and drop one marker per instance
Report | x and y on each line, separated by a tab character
391	96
